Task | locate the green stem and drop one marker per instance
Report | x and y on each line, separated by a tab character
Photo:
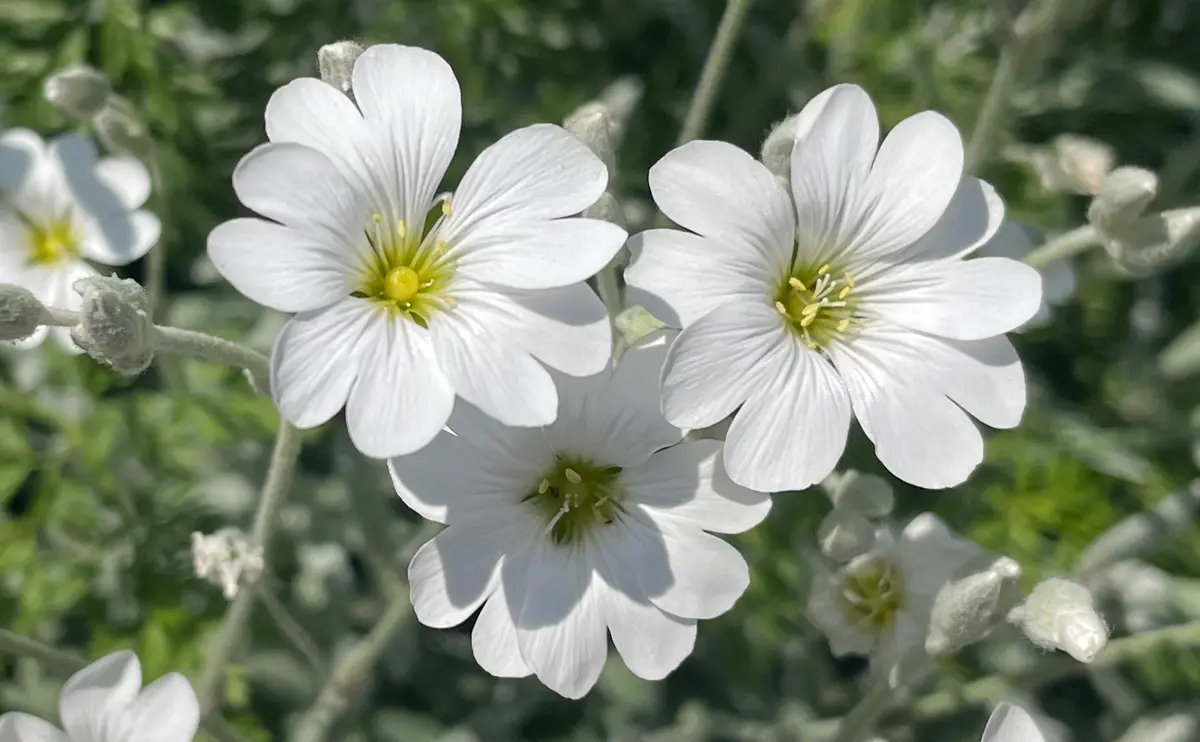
204	347
156	261
67	662
293	631
278	482
1064	246
713	74
856	725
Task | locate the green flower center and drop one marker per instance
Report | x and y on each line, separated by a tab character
818	304
50	242
407	271
873	593
576	496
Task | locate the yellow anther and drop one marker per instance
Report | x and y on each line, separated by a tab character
446	207
808	319
779	307
850	280
810	310
573	476
823	270
401	229
841	326
449	302
543	486
377	217
796	283
844	293
401	284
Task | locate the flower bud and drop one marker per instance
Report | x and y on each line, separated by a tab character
335	63
227	559
1060	614
966	610
845	534
606	208
866	494
1071	163
1154	243
115	326
1122	198
79	92
620	99
120	128
591	124
777	148
21	313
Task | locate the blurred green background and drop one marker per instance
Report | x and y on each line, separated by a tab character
103	478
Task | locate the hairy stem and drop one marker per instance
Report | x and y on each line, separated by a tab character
278	482
1064	246
204	347
293	631
713	74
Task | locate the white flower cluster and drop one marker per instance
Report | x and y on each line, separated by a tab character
227	559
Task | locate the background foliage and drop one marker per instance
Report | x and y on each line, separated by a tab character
102	479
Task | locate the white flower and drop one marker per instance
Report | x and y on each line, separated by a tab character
879	604
849	295
590	526
1012	240
403	301
61	206
1010	723
105	702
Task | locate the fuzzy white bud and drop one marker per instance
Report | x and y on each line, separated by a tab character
777	148
1071	163
845	534
21	313
115	326
966	610
80	92
1154	243
591	124
335	63
1122	198
1061	614
227	559
120	128
867	494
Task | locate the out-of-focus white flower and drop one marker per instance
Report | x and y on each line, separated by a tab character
403	301
1012	240
850	297
879	604
61	206
227	559
79	91
1060	614
592	526
105	702
845	534
1010	723
1071	163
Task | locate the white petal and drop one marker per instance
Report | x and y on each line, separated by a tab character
313	113
983	376
128	178
99	693
411	96
525	449
316	359
680	277
167	710
837	135
687	485
1010	723
496	376
21	152
791	432
652	643
122	238
401	399
449	474
291	270
717	363
960	299
827	609
919	434
617	416
566	328
929	555
18	727
300	187
561	625
514	189
454	572
971	222
912	181
494	638
686	571
719	191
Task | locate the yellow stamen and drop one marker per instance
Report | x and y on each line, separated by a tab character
779	307
823	270
543	486
810	310
401	284
808	320
849	280
446	207
401	229
573	476
796	283
844	293
841	326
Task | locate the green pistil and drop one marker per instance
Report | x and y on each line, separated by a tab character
576	496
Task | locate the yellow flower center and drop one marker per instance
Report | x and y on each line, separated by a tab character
818	305
576	496
407	271
872	595
51	242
